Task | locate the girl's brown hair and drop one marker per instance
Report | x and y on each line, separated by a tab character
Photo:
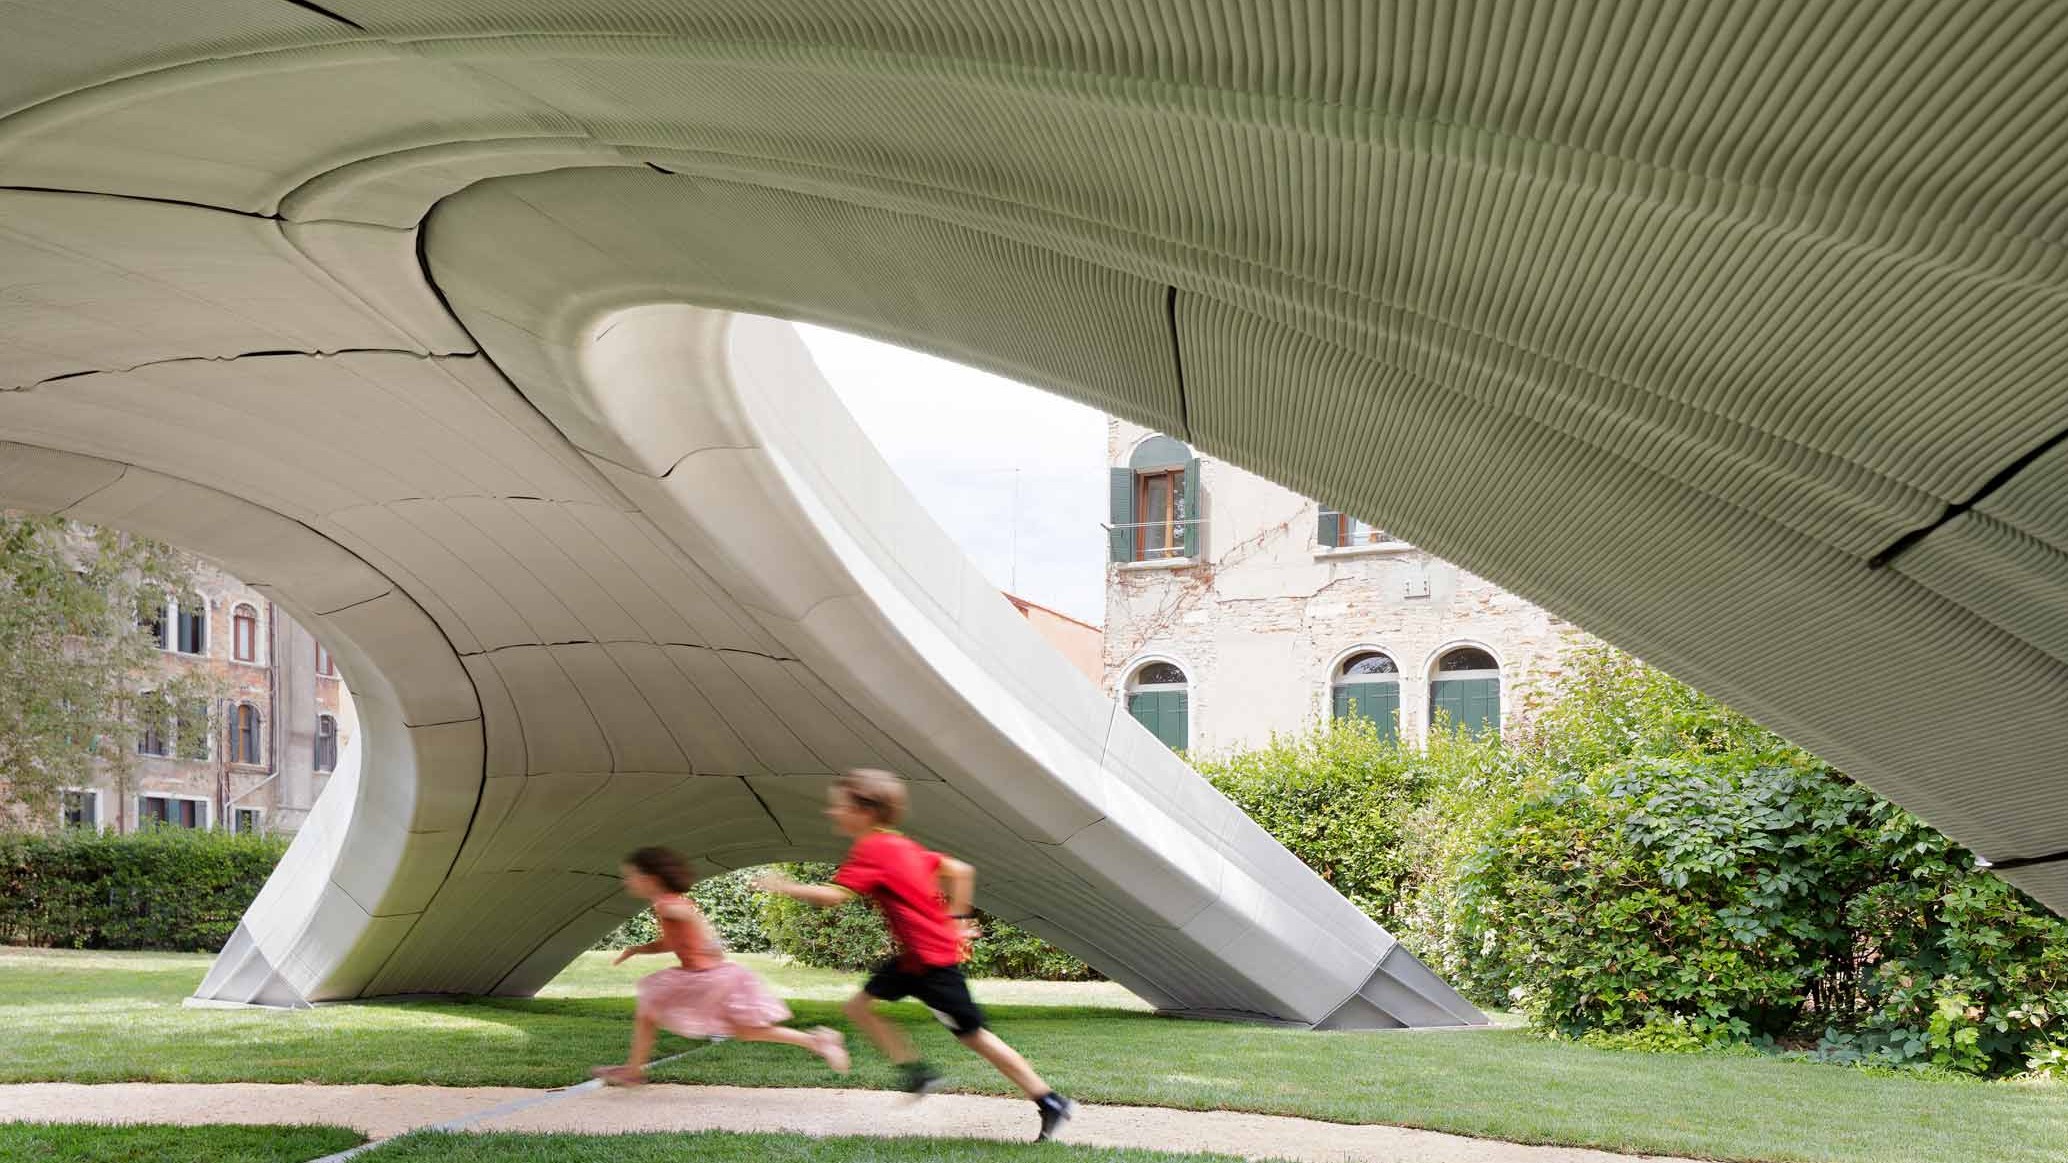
878	793
665	865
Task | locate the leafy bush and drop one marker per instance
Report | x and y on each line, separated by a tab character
1645	867
852	938
731	906
171	889
734	909
1341	798
1007	950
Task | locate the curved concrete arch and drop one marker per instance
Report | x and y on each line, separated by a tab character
1741	391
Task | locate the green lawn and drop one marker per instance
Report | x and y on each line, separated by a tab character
106	1017
86	1143
34	1143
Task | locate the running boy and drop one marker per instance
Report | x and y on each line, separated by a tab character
930	928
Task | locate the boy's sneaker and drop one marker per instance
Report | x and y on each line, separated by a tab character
920	1080
1055	1111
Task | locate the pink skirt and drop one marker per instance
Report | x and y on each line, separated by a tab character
709	1003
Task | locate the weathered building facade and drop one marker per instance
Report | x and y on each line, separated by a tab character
1236	608
282	723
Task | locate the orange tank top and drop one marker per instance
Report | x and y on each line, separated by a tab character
691	940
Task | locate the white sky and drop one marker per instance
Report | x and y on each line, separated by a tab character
956	435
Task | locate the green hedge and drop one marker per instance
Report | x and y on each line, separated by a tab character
1639	866
852	938
166	888
1341	798
733	908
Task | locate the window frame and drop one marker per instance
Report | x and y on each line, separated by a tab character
1337	532
255	755
316	746
1437	676
244	632
326	665
1169	526
258	819
94	798
1129	688
204	815
166	745
181	615
1338	679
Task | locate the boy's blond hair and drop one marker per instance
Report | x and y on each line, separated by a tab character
878	793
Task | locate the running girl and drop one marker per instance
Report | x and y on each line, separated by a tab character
705	996
931	928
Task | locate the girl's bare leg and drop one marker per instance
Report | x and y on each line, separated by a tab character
823	1041
634	1068
861	1010
1008	1061
642	1043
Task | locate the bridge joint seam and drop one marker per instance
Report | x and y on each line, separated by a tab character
1909	540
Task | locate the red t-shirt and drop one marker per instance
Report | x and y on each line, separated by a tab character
900	876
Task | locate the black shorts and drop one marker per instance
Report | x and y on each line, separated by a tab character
940	988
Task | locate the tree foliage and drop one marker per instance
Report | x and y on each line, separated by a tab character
1649	867
80	676
1638	865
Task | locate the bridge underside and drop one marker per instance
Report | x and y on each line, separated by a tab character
1732	333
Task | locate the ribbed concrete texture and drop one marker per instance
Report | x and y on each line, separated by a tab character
1730	331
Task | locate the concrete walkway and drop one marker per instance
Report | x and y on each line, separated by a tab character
382	1111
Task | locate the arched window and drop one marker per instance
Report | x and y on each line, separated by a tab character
1155	513
324	666
191	624
1466	690
244	734
244	633
1159	697
1367	686
326	743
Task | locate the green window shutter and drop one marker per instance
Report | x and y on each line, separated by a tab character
1486	706
1443	704
1328	529
1376	701
1144	708
1473	704
1165	713
1121	514
1190	512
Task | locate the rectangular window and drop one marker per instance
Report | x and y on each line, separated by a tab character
244	634
245	821
324	666
174	811
82	809
1341	529
326	743
150	742
1159	513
